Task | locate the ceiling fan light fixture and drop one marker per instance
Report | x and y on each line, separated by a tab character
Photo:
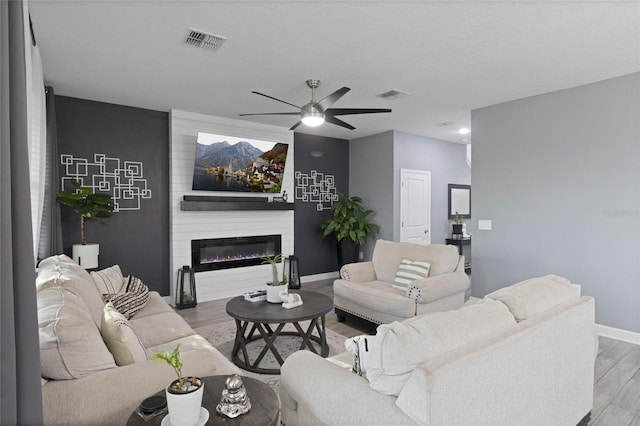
311	115
313	120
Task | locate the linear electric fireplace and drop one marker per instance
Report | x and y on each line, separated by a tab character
224	253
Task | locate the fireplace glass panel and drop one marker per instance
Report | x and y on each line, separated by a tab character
224	253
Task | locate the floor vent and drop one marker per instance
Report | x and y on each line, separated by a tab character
206	41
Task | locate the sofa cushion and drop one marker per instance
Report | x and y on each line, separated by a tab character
61	270
133	297
401	346
155	305
388	254
535	295
376	295
122	341
409	271
70	343
158	329
108	280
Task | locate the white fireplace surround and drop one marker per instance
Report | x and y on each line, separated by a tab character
188	225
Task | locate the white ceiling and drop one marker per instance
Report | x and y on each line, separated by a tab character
450	56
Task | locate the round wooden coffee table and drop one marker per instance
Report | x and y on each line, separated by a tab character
264	404
265	321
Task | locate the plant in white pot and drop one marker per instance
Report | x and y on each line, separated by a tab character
184	395
90	206
275	286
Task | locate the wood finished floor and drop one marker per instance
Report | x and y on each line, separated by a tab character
617	371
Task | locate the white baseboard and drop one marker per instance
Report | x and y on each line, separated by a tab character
318	277
618	334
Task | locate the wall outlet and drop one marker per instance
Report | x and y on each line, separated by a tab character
484	225
361	255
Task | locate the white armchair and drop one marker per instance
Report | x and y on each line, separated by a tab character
365	289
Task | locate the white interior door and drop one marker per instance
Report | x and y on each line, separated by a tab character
415	206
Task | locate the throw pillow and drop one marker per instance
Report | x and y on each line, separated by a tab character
122	341
134	297
70	342
361	347
409	271
108	280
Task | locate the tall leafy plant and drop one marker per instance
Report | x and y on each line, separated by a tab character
89	205
350	221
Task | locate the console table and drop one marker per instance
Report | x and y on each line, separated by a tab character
461	242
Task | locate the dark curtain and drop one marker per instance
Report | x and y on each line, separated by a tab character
20	388
51	227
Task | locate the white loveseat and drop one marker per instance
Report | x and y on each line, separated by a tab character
524	355
365	289
81	384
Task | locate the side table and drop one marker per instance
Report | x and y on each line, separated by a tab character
264	404
460	242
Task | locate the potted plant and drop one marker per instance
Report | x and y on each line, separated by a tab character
90	206
275	286
351	226
184	395
457	224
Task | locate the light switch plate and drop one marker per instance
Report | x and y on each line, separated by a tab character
484	225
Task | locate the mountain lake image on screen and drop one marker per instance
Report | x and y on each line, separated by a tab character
228	163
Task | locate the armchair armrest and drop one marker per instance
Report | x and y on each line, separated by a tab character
358	272
441	286
334	395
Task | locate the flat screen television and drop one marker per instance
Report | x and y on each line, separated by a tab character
228	163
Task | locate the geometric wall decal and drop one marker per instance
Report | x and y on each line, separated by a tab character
124	180
316	187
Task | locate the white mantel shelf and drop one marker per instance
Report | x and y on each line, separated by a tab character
234	205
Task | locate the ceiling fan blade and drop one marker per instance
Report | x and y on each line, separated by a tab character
331	119
275	99
271	113
295	125
352	111
327	101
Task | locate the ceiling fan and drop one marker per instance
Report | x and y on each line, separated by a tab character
317	112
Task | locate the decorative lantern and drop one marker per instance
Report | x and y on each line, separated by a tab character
291	263
186	288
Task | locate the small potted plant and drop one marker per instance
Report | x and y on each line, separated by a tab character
275	286
351	226
90	206
184	395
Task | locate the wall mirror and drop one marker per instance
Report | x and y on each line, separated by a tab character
459	200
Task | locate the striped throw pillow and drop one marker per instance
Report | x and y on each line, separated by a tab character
133	298
409	271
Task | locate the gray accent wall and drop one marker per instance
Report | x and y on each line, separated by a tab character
559	176
371	177
374	174
315	254
137	240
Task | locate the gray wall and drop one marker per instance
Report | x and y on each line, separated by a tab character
374	174
315	254
137	240
371	178
559	176
447	163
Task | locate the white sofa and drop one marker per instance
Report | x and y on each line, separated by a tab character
524	355
365	289
81	384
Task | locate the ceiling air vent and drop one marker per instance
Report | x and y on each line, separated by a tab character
206	41
445	124
393	94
